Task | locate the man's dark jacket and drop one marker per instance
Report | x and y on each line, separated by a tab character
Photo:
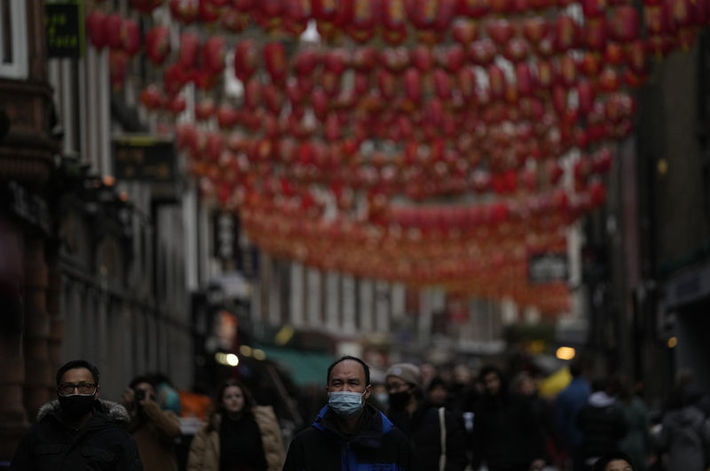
100	444
377	445
424	431
506	433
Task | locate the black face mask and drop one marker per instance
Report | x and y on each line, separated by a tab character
399	399
77	405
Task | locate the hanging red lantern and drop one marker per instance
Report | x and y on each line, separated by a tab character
595	33
96	29
252	93
624	23
205	109
246	59
500	31
567	70
474	8
394	21
496	81
208	12
296	16
566	33
151	97
227	116
422	58
118	67
146	6
395	60
636	56
535	29
336	61
364	17
114	29
585	96
614	54
131	37
273	98
214	146
213	55
609	80
189	49
185	11
657	18
157	44
454	58
590	64
276	62
177	105
233	20
464	31
593	8
483	52
516	50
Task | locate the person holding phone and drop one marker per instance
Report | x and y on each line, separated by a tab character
155	430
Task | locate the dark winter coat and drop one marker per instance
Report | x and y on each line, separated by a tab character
602	424
506	433
100	444
424	431
377	446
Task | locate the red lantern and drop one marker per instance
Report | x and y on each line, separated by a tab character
483	52
146	6
595	33
394	21
185	11
213	55
114	30
474	8
96	29
157	44
364	16
464	31
593	8
189	48
246	59
177	105
567	70
233	20
252	93
614	54
516	50
500	31
131	37
422	58
535	29
208	11
151	97
454	58
496	81
624	23
657	18
118	67
205	109
275	62
566	33
395	60
609	80
636	56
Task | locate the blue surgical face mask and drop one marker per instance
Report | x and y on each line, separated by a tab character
345	403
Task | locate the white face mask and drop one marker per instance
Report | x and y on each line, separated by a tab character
345	403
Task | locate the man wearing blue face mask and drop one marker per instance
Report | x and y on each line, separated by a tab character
348	434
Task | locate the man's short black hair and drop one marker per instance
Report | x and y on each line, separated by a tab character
349	357
141	379
604	460
74	364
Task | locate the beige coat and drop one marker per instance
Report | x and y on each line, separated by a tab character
204	450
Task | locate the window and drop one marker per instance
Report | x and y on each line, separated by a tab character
13	39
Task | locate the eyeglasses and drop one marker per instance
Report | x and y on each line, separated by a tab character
66	389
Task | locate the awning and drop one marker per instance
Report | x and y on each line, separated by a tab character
305	367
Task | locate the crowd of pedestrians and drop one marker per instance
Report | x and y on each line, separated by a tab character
410	418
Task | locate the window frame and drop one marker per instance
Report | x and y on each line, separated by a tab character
18	68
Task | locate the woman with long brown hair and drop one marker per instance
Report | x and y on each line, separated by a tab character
238	436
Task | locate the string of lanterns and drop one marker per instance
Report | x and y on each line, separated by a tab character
423	141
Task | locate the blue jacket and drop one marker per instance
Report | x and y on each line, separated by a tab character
569	401
377	445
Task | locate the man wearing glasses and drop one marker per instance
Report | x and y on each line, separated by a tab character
78	430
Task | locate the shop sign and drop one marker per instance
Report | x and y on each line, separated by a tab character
144	158
64	36
547	267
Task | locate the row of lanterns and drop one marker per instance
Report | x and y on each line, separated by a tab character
426	141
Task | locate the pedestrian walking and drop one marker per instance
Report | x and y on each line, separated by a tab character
348	433
78	430
567	405
685	430
601	422
239	435
506	434
436	435
154	429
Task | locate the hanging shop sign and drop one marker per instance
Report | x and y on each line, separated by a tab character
64	36
144	158
548	267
